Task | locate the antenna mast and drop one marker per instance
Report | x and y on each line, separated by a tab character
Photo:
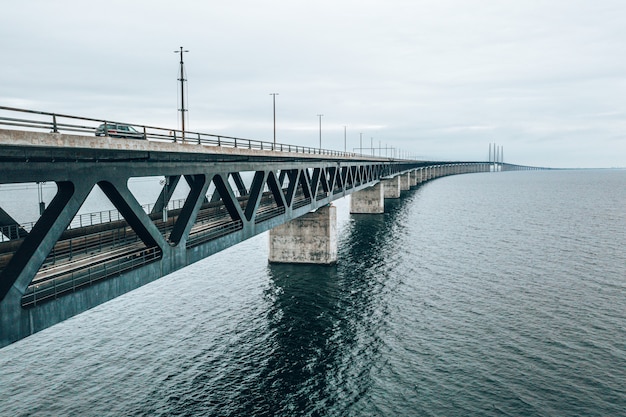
182	80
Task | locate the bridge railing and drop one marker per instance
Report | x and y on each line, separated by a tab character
13	231
62	123
76	279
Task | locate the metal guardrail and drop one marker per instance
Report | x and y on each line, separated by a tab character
263	215
62	123
301	203
205	235
79	278
15	231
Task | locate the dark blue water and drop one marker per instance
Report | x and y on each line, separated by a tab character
482	294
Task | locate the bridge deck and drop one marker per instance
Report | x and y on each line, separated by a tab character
81	267
18	138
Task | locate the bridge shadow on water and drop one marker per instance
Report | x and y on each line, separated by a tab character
318	337
324	326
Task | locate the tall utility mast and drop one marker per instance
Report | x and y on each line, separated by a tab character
320	117
182	80
274	101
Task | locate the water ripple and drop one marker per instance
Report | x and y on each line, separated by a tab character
479	294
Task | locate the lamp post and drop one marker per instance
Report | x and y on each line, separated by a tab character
361	143
345	128
274	105
182	80
320	117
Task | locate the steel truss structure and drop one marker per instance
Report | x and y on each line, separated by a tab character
64	263
82	267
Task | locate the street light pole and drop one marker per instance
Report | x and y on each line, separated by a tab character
274	102
345	128
320	116
361	143
182	80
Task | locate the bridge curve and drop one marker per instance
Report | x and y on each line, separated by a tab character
50	272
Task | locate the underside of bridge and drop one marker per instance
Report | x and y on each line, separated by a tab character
67	261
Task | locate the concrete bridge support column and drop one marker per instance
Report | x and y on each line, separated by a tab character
310	239
415	177
405	182
392	187
368	201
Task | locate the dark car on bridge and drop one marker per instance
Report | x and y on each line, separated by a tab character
116	130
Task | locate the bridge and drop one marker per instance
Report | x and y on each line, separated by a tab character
67	262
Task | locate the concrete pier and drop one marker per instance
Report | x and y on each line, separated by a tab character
368	201
391	187
310	239
405	182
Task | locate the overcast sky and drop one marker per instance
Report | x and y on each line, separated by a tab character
437	78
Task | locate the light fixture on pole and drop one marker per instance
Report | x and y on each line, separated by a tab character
320	116
182	80
274	105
